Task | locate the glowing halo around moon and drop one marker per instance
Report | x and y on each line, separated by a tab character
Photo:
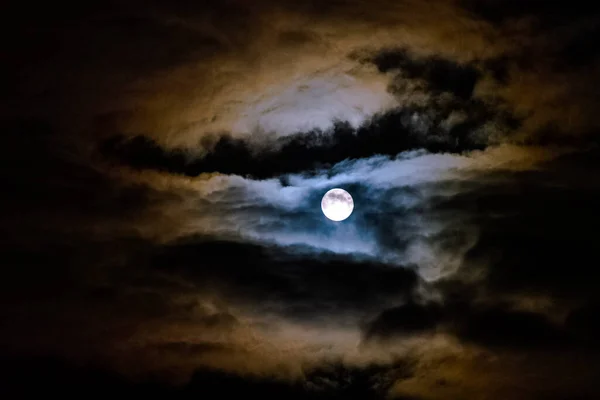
337	204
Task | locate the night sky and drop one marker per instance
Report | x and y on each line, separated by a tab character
163	165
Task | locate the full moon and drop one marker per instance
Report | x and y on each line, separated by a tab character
337	204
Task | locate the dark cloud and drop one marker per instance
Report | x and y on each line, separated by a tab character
547	12
582	321
164	165
497	327
331	381
369	382
297	153
489	326
581	51
440	75
387	134
407	319
454	124
555	221
295	286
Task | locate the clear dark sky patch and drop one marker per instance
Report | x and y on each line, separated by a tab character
548	13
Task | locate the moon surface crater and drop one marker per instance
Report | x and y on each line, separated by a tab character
337	204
